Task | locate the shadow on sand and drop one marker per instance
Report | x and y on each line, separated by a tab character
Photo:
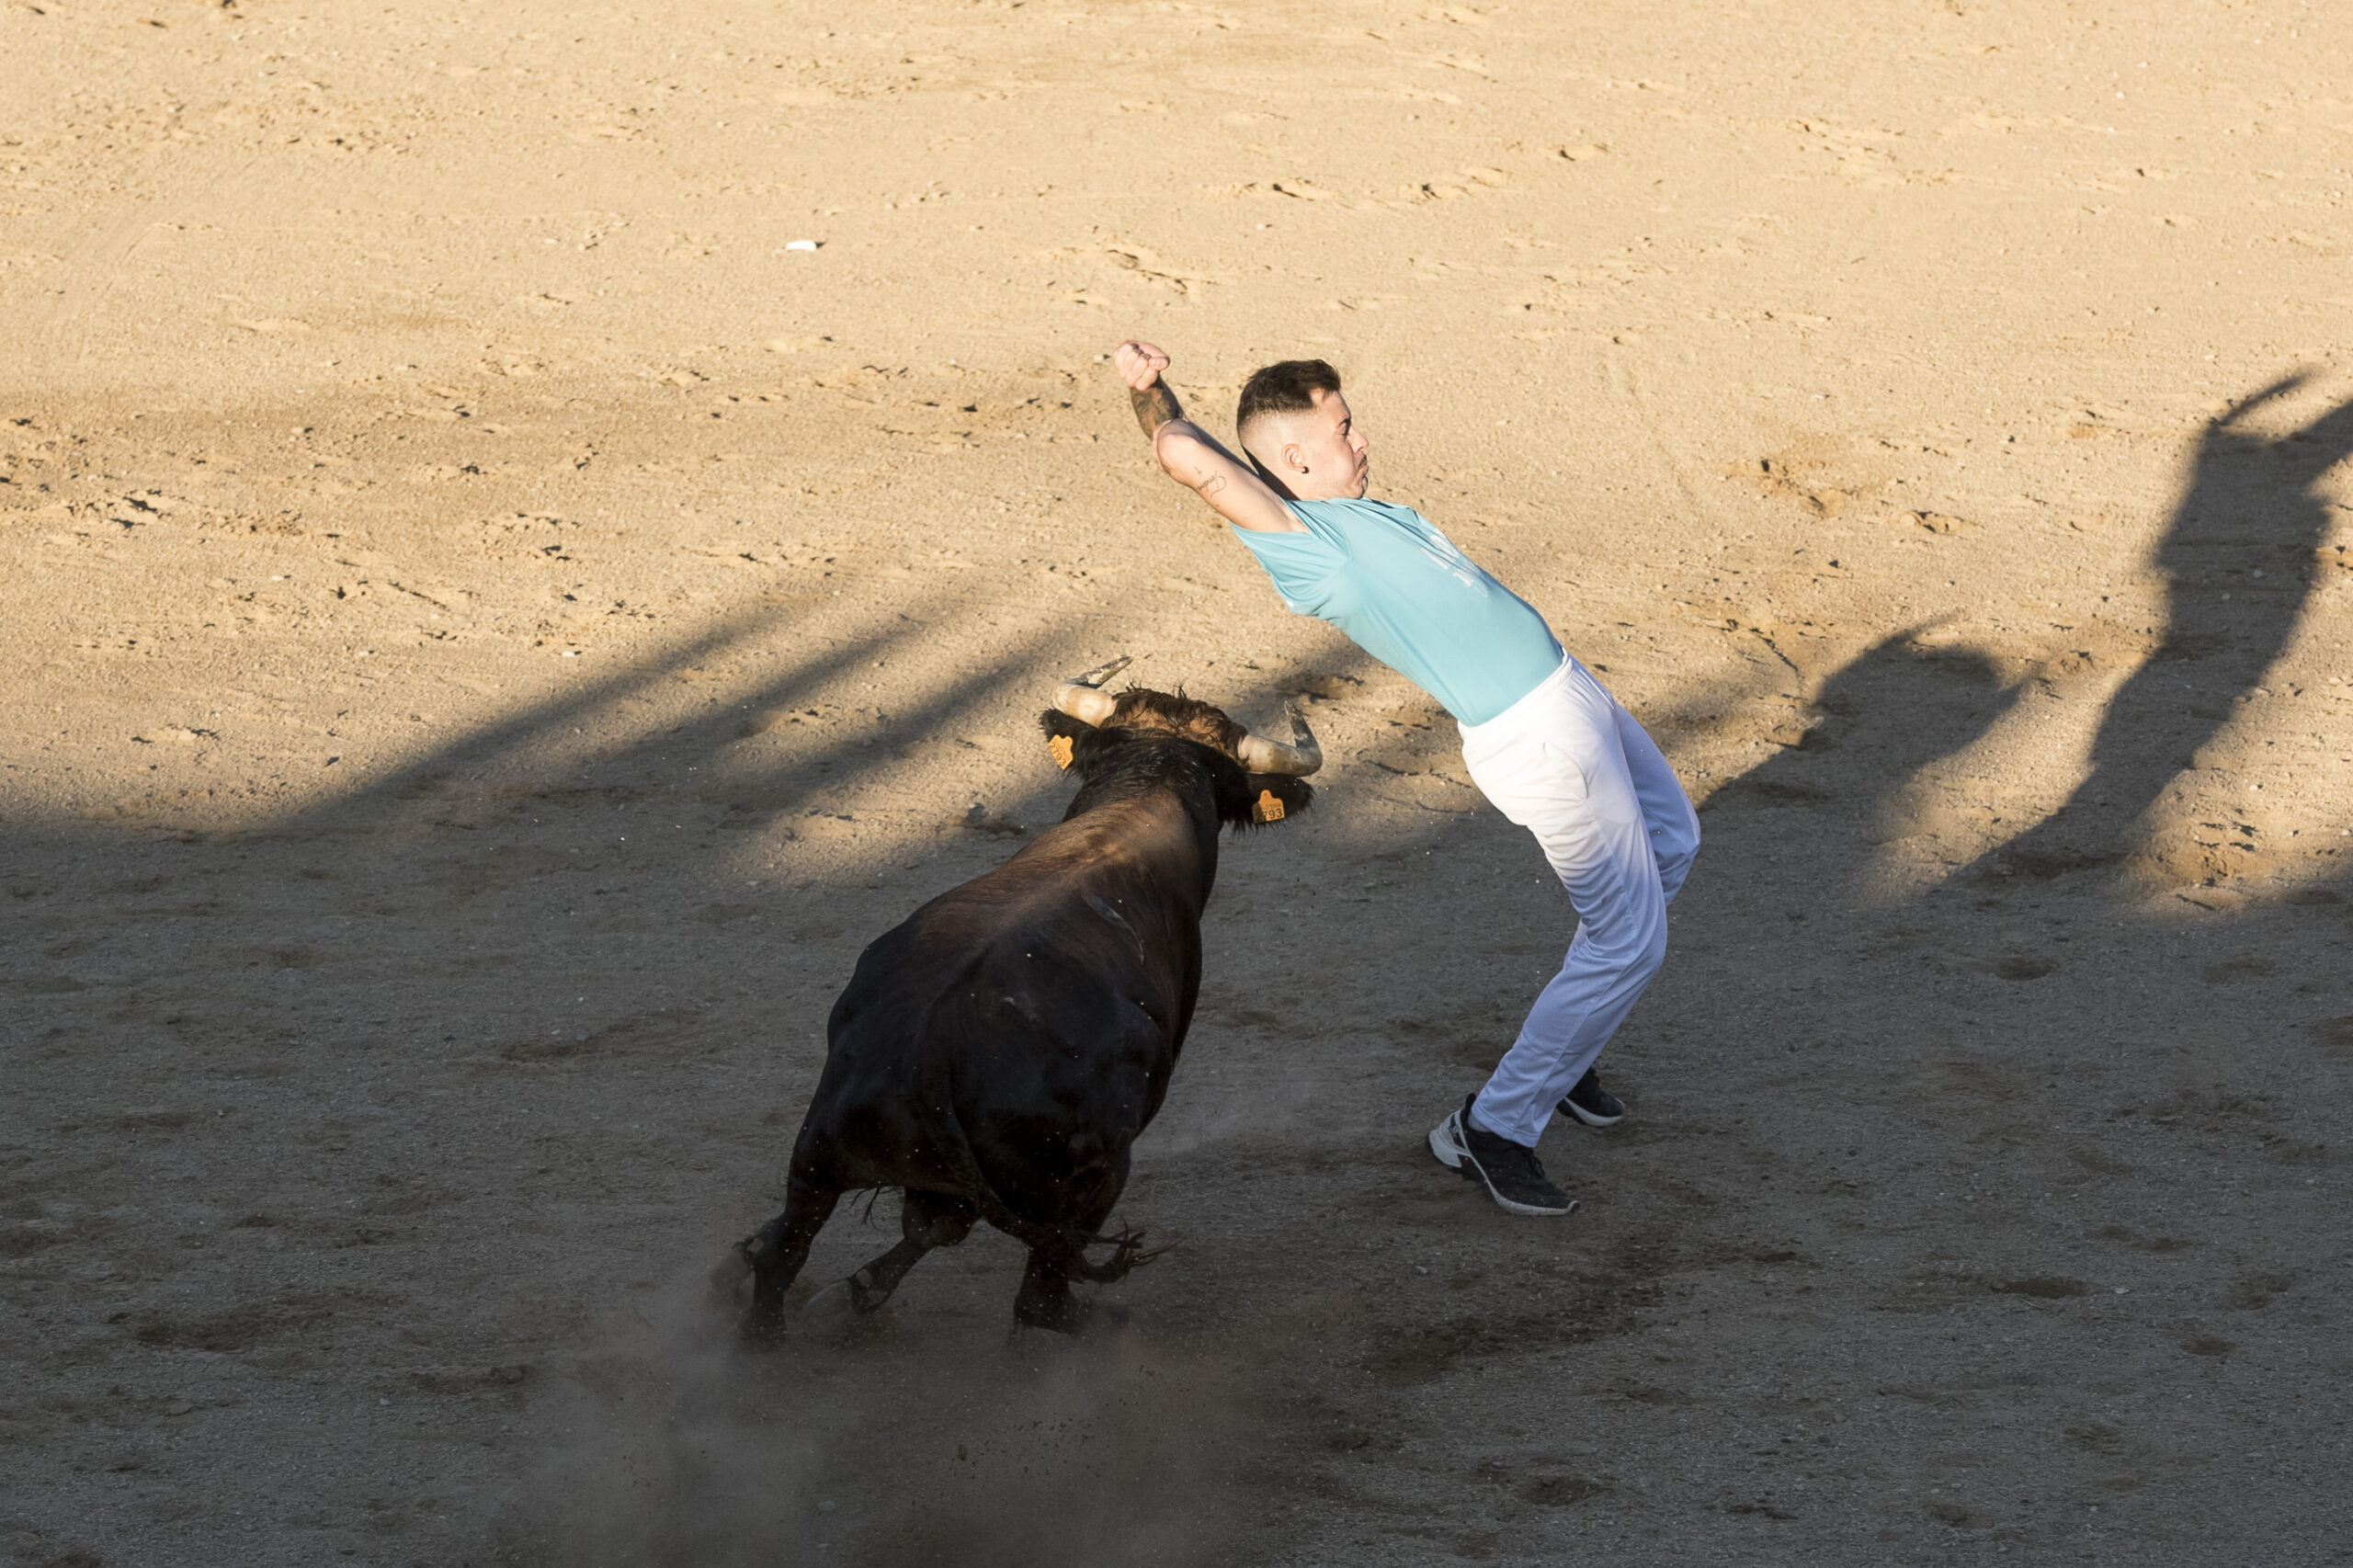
481	1066
2239	564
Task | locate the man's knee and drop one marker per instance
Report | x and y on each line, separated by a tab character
1634	958
1676	846
1679	834
1674	869
1630	938
1646	962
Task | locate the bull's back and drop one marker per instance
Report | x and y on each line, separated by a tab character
1041	1014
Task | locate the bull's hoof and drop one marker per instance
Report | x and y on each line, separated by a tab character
1085	1321
863	1296
762	1327
727	1278
1104	1317
1058	1315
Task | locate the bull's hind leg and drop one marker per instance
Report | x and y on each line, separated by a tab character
926	1220
1045	1300
778	1249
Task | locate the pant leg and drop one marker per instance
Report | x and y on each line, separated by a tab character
1673	825
1583	777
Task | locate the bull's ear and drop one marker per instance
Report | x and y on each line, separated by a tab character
1063	734
1275	795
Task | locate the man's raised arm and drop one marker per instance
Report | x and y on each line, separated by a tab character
1190	455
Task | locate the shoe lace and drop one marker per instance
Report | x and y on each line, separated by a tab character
1524	1162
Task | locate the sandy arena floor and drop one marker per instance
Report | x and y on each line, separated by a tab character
491	631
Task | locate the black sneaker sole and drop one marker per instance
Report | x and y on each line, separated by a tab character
1472	1171
1591	1118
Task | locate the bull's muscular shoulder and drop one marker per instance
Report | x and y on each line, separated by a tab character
1143	858
1144	862
1078	863
1152	831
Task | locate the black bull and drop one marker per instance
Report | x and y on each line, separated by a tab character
996	1054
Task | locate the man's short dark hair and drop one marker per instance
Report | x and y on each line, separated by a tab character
1287	388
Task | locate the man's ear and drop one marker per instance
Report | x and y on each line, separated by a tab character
1277	796
1064	734
1273	480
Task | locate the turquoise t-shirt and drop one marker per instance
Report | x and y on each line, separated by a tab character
1403	591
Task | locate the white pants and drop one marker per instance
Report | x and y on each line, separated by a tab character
1572	767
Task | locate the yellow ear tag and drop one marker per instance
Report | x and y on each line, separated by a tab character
1060	745
1269	808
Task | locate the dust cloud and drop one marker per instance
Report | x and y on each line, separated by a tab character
905	1438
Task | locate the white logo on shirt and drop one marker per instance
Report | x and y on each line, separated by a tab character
1442	550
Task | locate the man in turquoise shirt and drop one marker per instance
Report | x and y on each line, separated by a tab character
1553	751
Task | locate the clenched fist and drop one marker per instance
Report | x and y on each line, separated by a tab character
1139	364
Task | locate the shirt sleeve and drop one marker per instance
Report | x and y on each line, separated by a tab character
1302	565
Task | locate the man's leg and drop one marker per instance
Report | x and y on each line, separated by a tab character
1666	810
1569	778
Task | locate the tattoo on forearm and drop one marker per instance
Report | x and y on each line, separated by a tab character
1210	486
1156	406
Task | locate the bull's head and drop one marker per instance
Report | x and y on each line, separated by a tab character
1262	780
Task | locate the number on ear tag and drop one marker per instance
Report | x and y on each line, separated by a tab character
1269	808
1061	747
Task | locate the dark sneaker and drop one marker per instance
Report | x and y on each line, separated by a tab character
1592	1104
1508	1171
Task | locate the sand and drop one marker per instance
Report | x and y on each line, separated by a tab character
493	628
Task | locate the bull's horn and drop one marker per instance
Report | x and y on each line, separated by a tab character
1082	696
1301	757
1102	672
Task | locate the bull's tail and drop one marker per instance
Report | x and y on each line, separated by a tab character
1128	1251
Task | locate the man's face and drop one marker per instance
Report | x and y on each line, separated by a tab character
1322	452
